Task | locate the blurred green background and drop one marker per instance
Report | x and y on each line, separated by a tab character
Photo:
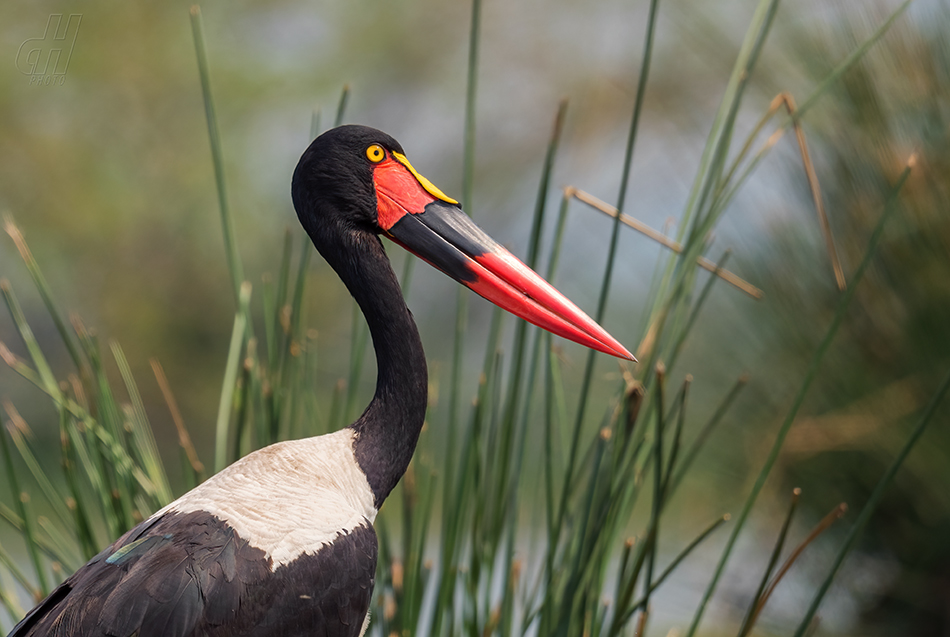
110	178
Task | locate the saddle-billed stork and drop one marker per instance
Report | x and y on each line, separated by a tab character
281	542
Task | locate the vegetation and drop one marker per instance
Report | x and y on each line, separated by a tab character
542	510
886	365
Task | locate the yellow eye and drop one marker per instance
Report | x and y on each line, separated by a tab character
375	153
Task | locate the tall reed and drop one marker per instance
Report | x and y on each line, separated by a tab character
457	554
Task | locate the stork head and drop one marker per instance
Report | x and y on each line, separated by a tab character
355	180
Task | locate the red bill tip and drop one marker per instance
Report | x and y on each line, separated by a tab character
504	280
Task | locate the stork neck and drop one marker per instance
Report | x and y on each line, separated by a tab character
387	432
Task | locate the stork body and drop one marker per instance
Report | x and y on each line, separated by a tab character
281	542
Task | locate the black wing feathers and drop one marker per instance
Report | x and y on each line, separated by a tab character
191	575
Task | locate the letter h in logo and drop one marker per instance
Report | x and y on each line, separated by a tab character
49	55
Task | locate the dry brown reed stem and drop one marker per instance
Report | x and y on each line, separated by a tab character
11	229
8	357
820	528
16	425
663	240
786	100
642	622
76	385
78	325
183	438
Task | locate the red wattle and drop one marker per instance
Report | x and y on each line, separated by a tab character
398	193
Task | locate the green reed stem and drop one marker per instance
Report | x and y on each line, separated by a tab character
451	547
20	500
232	367
341	105
611	257
749	621
235	267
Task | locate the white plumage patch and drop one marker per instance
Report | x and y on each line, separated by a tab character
290	498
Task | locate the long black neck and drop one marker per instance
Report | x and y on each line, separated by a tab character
387	432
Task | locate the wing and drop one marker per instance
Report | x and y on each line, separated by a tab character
165	577
190	574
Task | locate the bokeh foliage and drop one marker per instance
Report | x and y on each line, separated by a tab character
111	181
